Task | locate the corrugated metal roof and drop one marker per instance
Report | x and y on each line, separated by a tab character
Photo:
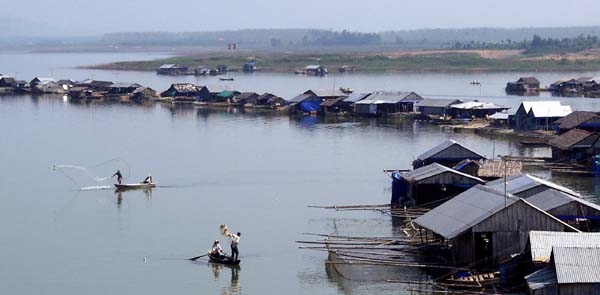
542	242
312	67
499	116
440	103
478	105
380	97
519	183
541	278
441	147
124	85
464	211
434	169
577	264
543	109
326	92
354	97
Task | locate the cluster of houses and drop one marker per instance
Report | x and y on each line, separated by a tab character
587	86
490	216
177	69
85	89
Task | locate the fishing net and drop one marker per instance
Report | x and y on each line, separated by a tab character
97	176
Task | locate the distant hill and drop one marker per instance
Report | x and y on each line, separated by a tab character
302	38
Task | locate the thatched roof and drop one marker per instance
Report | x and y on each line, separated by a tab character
573	137
497	168
575	119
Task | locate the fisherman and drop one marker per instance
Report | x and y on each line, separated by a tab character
216	249
148	179
119	176
235	240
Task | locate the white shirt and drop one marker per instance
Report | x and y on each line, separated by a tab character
235	239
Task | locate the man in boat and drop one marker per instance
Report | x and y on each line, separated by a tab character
235	240
119	176
216	249
148	179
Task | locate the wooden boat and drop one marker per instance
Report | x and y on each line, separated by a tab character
474	280
132	186
222	260
226	78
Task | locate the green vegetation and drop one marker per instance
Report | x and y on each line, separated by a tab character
450	61
538	45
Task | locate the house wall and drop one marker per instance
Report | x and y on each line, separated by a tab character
511	226
578	289
433	111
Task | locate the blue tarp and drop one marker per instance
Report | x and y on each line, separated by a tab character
309	106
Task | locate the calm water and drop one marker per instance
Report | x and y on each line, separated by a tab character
255	173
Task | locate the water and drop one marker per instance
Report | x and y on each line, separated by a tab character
255	173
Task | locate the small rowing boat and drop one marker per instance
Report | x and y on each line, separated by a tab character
132	186
226	79
222	260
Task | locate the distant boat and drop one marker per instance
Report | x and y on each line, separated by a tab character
226	78
132	186
475	82
222	260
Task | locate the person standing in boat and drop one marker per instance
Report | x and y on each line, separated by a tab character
148	179
119	176
235	240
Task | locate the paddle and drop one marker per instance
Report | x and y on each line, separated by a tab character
196	258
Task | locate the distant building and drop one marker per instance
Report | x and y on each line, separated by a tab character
96	85
384	103
123	88
436	107
6	82
567	86
189	90
249	66
143	93
522	85
201	71
172	69
305	103
315	70
247	98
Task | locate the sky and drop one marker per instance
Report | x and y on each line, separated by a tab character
59	17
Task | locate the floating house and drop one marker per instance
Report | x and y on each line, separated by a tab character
571	270
48	86
270	100
336	106
172	69
448	153
533	115
583	120
483	226
475	109
527	185
37	80
96	85
7	82
575	145
436	107
573	210
522	85
384	103
143	93
305	103
431	183
123	88
326	94
566	86
201	71
249	66
226	96
315	70
189	91
247	98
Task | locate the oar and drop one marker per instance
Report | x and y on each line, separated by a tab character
196	258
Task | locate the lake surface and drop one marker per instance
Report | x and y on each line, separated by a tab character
256	173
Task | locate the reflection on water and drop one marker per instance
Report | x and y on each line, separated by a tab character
234	286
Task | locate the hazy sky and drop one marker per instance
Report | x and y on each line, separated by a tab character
100	16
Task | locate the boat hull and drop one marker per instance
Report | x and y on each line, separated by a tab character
226	260
134	186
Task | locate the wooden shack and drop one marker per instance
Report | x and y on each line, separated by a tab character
431	183
571	271
448	153
576	145
573	210
243	98
187	91
172	69
522	85
305	103
583	120
436	107
315	70
382	103
483	226
123	88
533	115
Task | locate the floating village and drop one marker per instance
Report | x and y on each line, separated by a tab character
474	225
